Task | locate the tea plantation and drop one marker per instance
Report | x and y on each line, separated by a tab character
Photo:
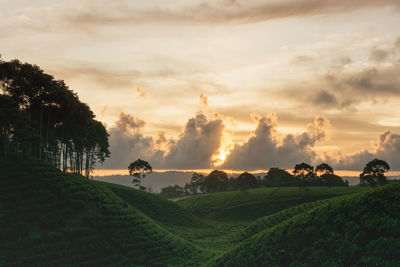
51	218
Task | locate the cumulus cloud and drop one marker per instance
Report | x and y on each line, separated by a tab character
265	149
127	123
197	144
127	143
386	147
194	148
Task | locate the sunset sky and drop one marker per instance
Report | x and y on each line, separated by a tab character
237	85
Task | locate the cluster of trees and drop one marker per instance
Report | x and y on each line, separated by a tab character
303	175
41	117
218	181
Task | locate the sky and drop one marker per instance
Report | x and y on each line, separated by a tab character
235	85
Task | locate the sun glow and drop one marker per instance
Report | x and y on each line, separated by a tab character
219	159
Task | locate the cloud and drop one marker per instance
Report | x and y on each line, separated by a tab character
127	123
215	12
386	147
127	143
379	55
397	45
104	110
203	100
302	59
265	149
194	148
140	91
345	89
197	144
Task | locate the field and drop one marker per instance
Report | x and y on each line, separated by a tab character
66	219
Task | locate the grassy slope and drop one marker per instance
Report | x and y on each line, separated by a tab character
56	218
48	216
221	235
156	207
260	202
361	229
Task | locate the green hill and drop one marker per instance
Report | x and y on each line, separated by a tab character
52	218
62	219
260	202
361	229
156	207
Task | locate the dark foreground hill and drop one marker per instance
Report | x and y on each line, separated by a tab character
355	230
52	218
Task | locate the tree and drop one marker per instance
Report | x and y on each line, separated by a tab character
246	181
279	177
324	168
174	191
305	173
43	118
328	179
139	170
374	173
216	181
196	184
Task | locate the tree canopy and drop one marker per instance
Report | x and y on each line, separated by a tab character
216	181
324	168
139	169
41	117
374	173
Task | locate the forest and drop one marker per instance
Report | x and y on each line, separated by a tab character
41	117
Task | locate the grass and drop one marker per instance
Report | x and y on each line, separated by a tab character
47	216
355	230
234	205
156	207
62	219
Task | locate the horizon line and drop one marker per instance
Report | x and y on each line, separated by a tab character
109	172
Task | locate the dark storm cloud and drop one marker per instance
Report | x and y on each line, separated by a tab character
265	149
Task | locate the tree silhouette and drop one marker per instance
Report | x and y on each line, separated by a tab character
244	182
196	184
374	173
324	168
305	173
139	170
46	120
216	181
279	177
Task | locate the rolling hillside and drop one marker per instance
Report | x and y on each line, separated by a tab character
234	205
356	230
63	219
